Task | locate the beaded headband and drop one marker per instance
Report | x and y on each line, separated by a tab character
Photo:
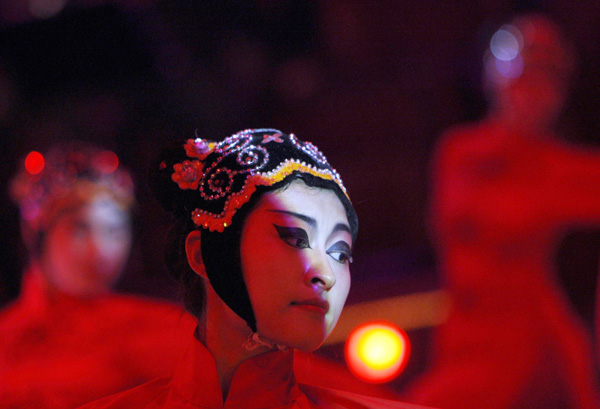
227	173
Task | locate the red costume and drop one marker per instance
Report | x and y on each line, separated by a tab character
58	351
500	205
216	180
263	381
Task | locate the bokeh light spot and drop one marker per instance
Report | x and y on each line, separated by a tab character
510	69
377	351
34	163
106	162
506	43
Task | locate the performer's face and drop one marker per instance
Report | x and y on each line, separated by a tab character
86	249
536	89
295	250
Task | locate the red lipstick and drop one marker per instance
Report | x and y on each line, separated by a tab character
317	305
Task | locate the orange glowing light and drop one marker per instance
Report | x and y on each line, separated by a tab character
34	163
377	351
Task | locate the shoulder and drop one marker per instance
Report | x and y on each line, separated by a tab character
11	314
135	302
146	325
14	318
463	139
345	399
134	308
148	395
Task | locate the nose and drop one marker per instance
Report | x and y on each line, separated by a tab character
319	274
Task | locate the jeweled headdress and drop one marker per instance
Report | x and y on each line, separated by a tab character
65	177
226	174
210	183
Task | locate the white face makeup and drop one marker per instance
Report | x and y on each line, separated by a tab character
296	250
85	250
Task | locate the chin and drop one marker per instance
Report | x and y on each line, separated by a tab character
85	290
302	331
307	345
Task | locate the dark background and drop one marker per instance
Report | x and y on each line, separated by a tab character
372	83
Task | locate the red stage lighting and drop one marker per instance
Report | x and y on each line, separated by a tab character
106	162
377	351
34	162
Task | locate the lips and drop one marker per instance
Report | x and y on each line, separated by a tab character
317	305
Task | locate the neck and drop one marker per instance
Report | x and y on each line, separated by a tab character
524	127
224	334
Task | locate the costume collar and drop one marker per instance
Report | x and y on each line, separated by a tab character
263	381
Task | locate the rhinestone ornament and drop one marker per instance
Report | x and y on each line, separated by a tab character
227	173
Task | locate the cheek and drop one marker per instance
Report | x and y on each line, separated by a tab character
256	266
61	247
267	277
339	293
265	260
115	248
60	258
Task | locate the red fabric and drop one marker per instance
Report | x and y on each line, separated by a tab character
61	352
500	204
264	381
315	369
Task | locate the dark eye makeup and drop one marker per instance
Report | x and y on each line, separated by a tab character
340	252
293	236
298	238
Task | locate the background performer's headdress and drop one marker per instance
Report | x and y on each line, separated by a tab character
64	178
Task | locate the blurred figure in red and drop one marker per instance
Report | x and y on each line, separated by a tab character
505	190
68	338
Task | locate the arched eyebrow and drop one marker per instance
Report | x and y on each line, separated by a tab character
307	219
341	227
312	222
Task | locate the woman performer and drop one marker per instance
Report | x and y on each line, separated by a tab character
69	339
505	191
267	230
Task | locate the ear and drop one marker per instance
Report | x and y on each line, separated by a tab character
193	250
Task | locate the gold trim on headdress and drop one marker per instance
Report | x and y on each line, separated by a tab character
226	174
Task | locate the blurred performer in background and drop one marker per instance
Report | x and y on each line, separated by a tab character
505	190
68	339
